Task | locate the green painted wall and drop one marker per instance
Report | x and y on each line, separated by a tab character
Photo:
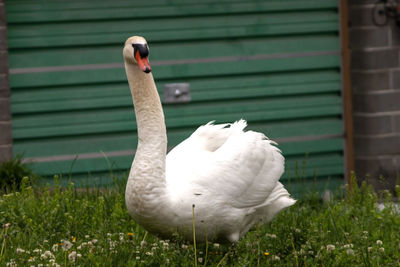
273	63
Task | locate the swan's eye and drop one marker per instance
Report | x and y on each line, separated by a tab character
142	48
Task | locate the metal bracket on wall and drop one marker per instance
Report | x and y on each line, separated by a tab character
383	10
177	93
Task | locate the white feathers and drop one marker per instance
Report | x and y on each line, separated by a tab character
225	170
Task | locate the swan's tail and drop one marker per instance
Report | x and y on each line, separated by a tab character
277	201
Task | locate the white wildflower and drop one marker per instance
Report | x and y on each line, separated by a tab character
54	248
109	235
7	225
216	245
200	260
94	241
350	251
365	232
381	249
40	265
143	243
113	244
66	245
275	258
348	246
19	251
37	250
11	263
273	236
137	258
297	230
369	249
346	234
87	236
379	242
148	253
72	256
47	254
121	236
32	259
311	252
330	248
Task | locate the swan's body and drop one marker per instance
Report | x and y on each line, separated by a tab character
229	175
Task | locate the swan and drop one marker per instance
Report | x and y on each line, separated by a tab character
226	178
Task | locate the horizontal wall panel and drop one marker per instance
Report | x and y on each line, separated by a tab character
234	67
33	148
167	10
221	49
274	63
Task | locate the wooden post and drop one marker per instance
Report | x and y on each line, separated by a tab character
346	89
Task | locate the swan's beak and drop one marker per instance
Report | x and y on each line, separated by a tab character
143	62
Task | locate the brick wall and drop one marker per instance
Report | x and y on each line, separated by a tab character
5	114
375	75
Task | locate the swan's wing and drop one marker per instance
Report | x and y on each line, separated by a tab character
241	168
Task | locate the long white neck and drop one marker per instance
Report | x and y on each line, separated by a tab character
147	176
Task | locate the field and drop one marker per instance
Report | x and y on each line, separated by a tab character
67	226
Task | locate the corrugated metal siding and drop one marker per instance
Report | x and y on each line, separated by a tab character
274	63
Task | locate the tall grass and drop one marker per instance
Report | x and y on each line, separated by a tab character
66	226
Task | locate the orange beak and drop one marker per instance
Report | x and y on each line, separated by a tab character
142	62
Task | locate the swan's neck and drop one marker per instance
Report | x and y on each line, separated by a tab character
147	176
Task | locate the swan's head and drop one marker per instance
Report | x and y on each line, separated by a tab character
136	51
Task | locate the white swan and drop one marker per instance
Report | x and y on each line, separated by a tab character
231	176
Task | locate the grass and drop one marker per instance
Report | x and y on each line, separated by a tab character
64	226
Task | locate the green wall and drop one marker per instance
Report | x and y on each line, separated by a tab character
274	63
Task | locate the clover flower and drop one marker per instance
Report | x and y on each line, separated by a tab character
275	258
37	250
73	256
55	247
47	254
330	248
66	245
273	236
19	251
348	246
